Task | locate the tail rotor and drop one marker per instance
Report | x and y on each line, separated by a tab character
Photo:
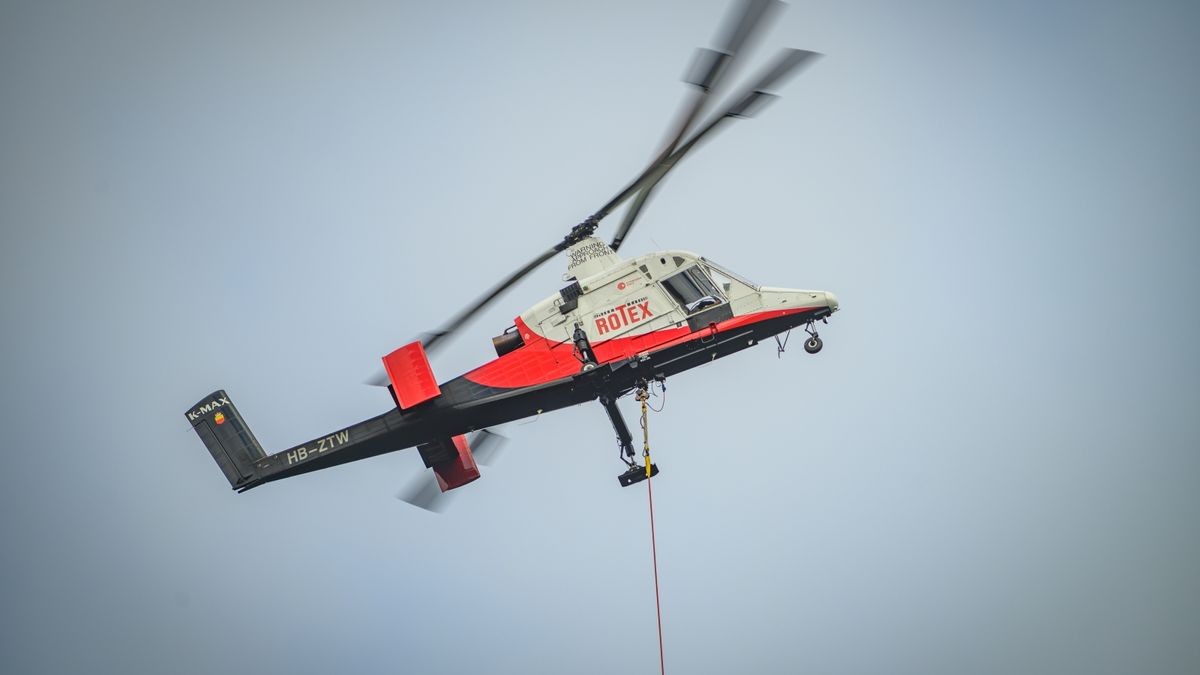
423	491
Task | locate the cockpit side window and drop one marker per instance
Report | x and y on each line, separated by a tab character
693	290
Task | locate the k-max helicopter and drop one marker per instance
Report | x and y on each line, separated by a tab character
618	325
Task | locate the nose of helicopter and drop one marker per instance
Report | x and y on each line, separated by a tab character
831	301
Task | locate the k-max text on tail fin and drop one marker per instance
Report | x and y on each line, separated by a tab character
227	437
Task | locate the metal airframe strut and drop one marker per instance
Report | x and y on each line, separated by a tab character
623	436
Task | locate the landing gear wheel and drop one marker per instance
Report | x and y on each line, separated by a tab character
813	345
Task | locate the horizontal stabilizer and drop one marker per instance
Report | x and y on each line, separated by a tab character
411	375
453	461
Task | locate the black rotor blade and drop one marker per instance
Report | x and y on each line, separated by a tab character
708	69
577	234
494	292
750	15
635	208
486	445
706	74
752	98
379	378
745	104
745	19
423	492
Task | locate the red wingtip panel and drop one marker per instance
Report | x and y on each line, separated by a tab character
412	378
459	471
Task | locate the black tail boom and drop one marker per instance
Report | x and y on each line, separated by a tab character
245	464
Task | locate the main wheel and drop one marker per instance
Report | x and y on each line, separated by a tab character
813	345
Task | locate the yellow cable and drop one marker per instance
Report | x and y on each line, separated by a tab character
642	396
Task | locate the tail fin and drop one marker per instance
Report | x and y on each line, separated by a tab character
227	437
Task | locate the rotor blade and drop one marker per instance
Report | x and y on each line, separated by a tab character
423	492
750	17
635	208
745	19
784	64
469	311
745	104
752	98
708	68
578	233
486	445
707	71
380	379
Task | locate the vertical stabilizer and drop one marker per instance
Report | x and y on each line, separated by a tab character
227	437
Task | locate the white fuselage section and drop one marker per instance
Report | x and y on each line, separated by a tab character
625	298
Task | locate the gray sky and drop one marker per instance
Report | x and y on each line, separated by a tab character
990	468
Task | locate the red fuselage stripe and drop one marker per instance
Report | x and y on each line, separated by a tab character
541	361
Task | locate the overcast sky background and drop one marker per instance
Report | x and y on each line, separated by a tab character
991	468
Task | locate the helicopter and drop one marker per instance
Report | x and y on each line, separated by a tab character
618	326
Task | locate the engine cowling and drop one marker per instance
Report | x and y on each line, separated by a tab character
507	341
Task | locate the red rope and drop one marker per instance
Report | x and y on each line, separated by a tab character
662	669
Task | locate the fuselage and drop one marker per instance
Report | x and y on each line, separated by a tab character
653	316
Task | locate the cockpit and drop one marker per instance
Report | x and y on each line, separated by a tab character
705	284
693	290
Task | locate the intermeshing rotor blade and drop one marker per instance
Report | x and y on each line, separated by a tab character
423	492
752	98
380	379
708	71
635	207
486	446
745	19
467	312
745	104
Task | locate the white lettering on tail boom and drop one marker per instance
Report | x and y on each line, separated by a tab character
319	446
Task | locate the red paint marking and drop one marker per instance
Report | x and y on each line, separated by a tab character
458	471
541	361
410	374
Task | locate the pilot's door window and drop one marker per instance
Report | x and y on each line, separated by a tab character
693	290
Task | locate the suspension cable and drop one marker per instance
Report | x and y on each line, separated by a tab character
642	396
662	669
